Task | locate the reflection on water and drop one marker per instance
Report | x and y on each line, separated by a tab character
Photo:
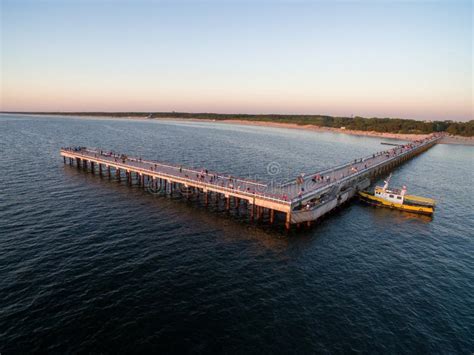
396	216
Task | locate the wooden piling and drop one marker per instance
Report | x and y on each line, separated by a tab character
288	221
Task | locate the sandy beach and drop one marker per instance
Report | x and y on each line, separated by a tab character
400	136
407	137
449	139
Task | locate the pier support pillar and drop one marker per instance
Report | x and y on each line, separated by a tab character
272	216
288	221
227	203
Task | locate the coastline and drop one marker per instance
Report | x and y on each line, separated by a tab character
460	140
449	139
399	136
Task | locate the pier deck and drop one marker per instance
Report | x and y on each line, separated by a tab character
287	198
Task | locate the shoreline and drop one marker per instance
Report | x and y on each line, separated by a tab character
314	128
449	139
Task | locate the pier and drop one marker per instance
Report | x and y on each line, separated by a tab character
303	200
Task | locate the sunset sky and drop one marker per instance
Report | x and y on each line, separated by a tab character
409	59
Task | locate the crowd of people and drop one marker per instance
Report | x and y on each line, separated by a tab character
204	175
358	165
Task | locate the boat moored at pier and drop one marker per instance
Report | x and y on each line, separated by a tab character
398	199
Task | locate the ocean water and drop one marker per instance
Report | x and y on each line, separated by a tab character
94	266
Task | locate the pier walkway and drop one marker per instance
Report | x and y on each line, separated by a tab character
300	199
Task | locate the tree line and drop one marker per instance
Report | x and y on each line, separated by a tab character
388	125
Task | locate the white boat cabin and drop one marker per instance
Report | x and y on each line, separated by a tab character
394	196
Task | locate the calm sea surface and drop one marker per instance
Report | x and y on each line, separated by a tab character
91	265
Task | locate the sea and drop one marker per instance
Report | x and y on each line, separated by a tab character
91	265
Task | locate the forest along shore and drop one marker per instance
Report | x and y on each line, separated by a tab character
448	139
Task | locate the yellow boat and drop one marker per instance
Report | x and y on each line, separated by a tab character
398	199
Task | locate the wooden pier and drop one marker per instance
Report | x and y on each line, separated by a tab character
304	199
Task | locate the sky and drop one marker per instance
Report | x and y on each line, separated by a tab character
407	59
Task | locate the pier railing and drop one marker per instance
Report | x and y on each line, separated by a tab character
362	172
169	177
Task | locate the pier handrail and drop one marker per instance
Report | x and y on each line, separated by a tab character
343	165
135	163
192	181
169	165
358	173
